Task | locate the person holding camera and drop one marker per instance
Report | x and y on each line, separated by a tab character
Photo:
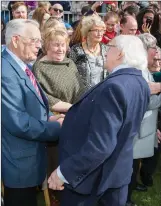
145	20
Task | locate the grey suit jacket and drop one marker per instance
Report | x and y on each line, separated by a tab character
145	141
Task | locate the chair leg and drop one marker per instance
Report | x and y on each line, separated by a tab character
46	196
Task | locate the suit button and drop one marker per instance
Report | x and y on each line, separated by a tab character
78	179
45	115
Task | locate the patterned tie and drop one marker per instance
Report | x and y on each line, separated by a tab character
33	80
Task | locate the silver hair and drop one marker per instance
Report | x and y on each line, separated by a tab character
134	52
17	26
89	21
148	40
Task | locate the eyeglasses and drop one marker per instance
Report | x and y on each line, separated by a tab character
152	47
32	40
56	10
110	45
97	31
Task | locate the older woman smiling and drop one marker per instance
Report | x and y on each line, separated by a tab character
57	74
89	55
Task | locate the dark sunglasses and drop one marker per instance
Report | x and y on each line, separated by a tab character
56	10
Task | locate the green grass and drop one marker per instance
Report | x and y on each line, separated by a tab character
150	198
153	196
41	200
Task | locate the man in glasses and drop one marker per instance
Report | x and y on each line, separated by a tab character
57	11
25	117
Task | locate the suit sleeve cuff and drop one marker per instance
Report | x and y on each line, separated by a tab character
61	176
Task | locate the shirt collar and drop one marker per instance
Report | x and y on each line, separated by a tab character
17	59
121	66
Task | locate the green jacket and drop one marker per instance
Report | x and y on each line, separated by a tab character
157	76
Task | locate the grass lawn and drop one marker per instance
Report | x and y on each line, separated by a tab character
150	198
153	196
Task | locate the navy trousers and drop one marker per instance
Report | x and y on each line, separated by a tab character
112	197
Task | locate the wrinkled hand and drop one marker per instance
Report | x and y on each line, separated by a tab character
59	118
146	28
155	87
54	182
159	135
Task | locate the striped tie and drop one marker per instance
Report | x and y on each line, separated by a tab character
33	80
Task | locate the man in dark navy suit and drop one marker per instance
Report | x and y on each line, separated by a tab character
97	134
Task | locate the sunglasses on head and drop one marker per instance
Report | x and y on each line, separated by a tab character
56	10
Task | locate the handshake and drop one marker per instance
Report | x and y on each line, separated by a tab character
59	118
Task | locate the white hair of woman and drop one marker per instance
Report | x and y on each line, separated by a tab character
148	40
89	21
135	55
17	26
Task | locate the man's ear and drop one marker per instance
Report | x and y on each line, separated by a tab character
14	41
120	55
121	26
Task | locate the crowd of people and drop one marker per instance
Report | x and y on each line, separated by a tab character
90	89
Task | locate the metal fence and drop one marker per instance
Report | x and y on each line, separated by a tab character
68	16
5	15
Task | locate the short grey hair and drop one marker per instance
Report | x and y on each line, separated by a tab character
89	21
148	40
135	54
17	26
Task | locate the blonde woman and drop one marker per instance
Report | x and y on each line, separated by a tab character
53	23
57	74
41	16
60	80
89	55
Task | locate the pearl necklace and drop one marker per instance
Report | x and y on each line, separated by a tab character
93	52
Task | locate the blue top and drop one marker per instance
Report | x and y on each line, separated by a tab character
67	25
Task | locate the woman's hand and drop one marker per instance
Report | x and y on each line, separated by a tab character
155	87
146	28
61	107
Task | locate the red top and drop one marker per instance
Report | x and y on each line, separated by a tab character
108	36
110	2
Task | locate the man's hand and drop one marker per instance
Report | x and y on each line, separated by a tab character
54	181
59	118
155	88
159	135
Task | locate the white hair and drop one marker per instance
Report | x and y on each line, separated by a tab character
17	26
148	40
89	21
135	55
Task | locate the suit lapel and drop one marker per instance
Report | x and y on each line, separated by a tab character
45	99
22	75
